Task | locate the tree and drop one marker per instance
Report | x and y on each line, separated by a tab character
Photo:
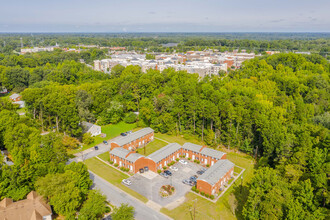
87	138
130	118
124	212
94	207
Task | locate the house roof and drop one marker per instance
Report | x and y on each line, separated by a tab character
216	172
32	208
212	153
120	152
164	152
133	157
192	147
121	141
14	96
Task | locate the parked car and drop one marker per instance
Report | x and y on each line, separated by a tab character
200	172
126	182
183	162
164	175
146	169
188	182
193	178
96	147
141	170
105	142
174	168
123	134
129	132
168	172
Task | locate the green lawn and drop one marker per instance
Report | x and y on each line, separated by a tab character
180	139
111	130
229	206
105	156
152	147
111	175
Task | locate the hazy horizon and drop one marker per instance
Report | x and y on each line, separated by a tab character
183	16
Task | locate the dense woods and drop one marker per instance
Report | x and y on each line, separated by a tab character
275	108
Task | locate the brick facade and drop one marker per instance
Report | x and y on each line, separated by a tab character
207	188
140	142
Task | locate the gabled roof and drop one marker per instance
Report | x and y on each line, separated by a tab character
212	153
32	208
86	125
133	157
193	147
120	152
164	152
216	172
121	141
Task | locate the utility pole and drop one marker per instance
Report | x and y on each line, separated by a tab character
195	200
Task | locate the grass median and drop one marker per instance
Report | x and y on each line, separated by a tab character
111	175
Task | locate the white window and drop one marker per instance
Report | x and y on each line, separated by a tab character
139	143
143	142
115	161
131	167
120	163
165	163
177	155
193	157
212	163
205	161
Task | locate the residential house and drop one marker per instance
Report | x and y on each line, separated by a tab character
91	128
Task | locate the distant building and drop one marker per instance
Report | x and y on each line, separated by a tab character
272	52
91	128
33	207
15	97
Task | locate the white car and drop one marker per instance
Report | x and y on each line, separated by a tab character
183	161
126	182
174	168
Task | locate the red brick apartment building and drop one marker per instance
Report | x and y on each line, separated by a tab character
210	182
215	177
135	140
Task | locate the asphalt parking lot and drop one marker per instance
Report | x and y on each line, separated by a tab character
149	185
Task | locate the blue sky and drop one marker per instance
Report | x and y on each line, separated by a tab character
165	16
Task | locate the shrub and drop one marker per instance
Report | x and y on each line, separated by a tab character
116	164
122	168
195	161
177	159
130	118
159	171
111	162
164	167
197	190
202	193
193	188
189	158
207	165
207	195
212	197
198	162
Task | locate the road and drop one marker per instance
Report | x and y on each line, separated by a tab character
116	196
91	152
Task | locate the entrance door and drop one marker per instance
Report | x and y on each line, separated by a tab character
193	157
120	163
205	161
187	155
212	163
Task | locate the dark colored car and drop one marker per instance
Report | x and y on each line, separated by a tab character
146	169
200	172
141	170
96	147
123	134
168	172
105	142
193	178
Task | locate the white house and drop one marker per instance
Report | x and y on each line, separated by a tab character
91	128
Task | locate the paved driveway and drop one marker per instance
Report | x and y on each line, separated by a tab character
150	187
116	197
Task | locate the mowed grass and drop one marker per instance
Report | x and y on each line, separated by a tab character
228	206
111	130
180	139
111	175
105	156
152	147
